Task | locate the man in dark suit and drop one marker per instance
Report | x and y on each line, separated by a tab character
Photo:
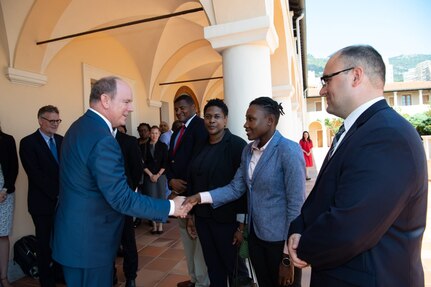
363	222
183	145
133	166
40	155
94	193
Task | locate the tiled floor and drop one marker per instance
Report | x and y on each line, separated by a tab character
162	262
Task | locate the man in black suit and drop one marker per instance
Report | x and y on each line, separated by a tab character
363	222
134	168
40	156
183	145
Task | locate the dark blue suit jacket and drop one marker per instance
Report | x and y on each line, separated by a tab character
42	171
94	194
194	136
363	222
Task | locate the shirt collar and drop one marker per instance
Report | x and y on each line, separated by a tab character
105	119
256	142
351	119
189	120
45	137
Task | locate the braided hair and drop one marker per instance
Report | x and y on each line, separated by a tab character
270	106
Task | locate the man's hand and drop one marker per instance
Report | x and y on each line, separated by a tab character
286	272
178	185
191	229
192	201
292	246
3	195
238	236
180	210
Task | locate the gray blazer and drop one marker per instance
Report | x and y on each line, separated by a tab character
275	193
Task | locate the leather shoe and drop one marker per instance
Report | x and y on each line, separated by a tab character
130	283
187	283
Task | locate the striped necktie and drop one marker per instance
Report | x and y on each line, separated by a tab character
336	139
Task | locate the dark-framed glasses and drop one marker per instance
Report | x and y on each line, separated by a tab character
325	78
52	121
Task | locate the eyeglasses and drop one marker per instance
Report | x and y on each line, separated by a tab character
52	121
325	78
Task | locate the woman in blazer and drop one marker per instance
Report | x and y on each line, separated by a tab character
272	172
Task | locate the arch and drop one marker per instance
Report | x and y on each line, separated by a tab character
316	133
188	91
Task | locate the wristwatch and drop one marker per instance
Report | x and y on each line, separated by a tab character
285	261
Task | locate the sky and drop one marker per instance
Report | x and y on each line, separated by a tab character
392	27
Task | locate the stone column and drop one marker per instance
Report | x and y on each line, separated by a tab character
421	99
246	47
395	99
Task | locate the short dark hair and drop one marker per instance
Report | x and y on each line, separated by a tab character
368	58
217	103
176	125
155	127
144	124
107	85
185	97
47	109
270	106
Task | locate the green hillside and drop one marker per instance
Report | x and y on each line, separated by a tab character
400	63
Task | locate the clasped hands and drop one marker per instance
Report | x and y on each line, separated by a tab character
184	204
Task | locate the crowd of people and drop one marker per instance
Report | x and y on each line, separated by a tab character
361	225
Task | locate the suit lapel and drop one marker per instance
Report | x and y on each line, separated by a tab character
266	155
363	118
44	146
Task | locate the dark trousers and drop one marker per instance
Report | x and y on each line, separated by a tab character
128	241
43	226
266	258
219	253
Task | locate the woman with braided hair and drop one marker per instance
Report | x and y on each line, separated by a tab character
272	172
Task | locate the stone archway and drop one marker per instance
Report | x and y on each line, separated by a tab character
316	133
188	91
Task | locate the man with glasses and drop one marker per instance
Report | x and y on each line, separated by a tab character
363	222
39	154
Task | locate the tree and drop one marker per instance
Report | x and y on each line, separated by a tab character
421	122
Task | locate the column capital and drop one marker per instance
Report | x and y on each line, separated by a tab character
25	77
282	92
256	31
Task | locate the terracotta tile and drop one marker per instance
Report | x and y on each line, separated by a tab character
175	254
148	278
152	251
144	260
162	242
172	280
161	264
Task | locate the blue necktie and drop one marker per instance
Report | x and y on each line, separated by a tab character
53	149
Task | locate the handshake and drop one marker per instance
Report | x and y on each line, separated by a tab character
184	204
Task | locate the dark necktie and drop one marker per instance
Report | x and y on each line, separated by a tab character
53	148
336	139
180	136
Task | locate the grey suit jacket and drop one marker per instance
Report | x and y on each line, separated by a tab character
275	193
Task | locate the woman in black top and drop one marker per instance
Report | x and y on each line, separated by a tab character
214	166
